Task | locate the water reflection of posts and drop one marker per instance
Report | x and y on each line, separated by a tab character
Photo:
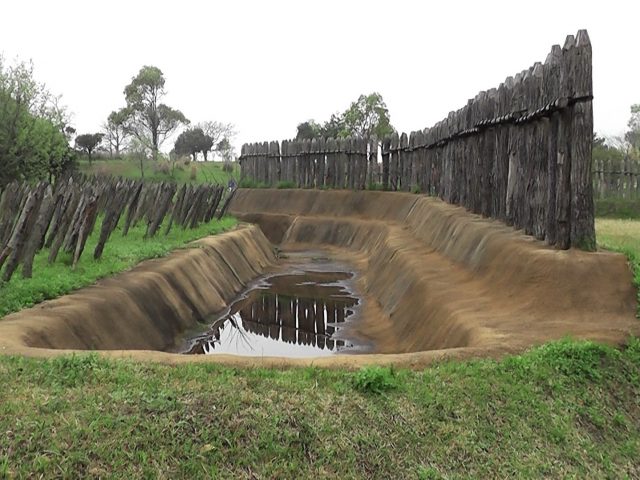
294	313
303	321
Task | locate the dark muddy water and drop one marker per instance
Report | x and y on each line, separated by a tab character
297	314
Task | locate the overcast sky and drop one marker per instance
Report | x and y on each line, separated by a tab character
268	65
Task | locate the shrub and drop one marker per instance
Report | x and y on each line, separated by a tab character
163	167
251	183
286	184
227	167
375	379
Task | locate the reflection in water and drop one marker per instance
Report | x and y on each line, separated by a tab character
287	315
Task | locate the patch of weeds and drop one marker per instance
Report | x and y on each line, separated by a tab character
375	379
74	370
251	183
578	360
283	184
428	473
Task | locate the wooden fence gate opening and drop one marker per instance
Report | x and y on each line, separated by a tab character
520	153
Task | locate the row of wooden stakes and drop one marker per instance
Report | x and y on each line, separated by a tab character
62	216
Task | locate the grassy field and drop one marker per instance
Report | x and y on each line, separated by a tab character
564	410
205	172
120	253
622	236
567	409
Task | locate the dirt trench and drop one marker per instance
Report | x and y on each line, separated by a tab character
443	283
450	281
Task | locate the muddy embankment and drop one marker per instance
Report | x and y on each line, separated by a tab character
449	280
439	281
147	307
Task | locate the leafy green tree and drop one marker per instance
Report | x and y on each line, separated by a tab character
368	117
32	122
88	142
633	134
192	142
225	149
334	127
217	131
604	150
116	132
309	130
149	120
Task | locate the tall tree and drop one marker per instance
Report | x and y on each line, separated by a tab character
368	117
115	130
225	149
32	142
334	127
633	134
150	121
308	130
192	142
217	131
88	142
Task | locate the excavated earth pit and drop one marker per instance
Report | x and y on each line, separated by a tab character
425	281
304	310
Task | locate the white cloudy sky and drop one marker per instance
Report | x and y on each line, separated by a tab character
268	65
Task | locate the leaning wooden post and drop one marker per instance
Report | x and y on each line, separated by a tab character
241	160
583	233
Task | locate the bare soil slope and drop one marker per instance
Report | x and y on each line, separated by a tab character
440	282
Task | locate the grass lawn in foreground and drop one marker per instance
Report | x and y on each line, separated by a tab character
120	253
564	410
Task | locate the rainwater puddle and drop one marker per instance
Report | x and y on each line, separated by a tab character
297	314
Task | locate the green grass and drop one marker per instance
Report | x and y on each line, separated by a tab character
617	208
622	236
565	410
206	172
120	253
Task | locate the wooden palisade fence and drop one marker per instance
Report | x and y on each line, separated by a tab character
64	215
616	178
520	153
